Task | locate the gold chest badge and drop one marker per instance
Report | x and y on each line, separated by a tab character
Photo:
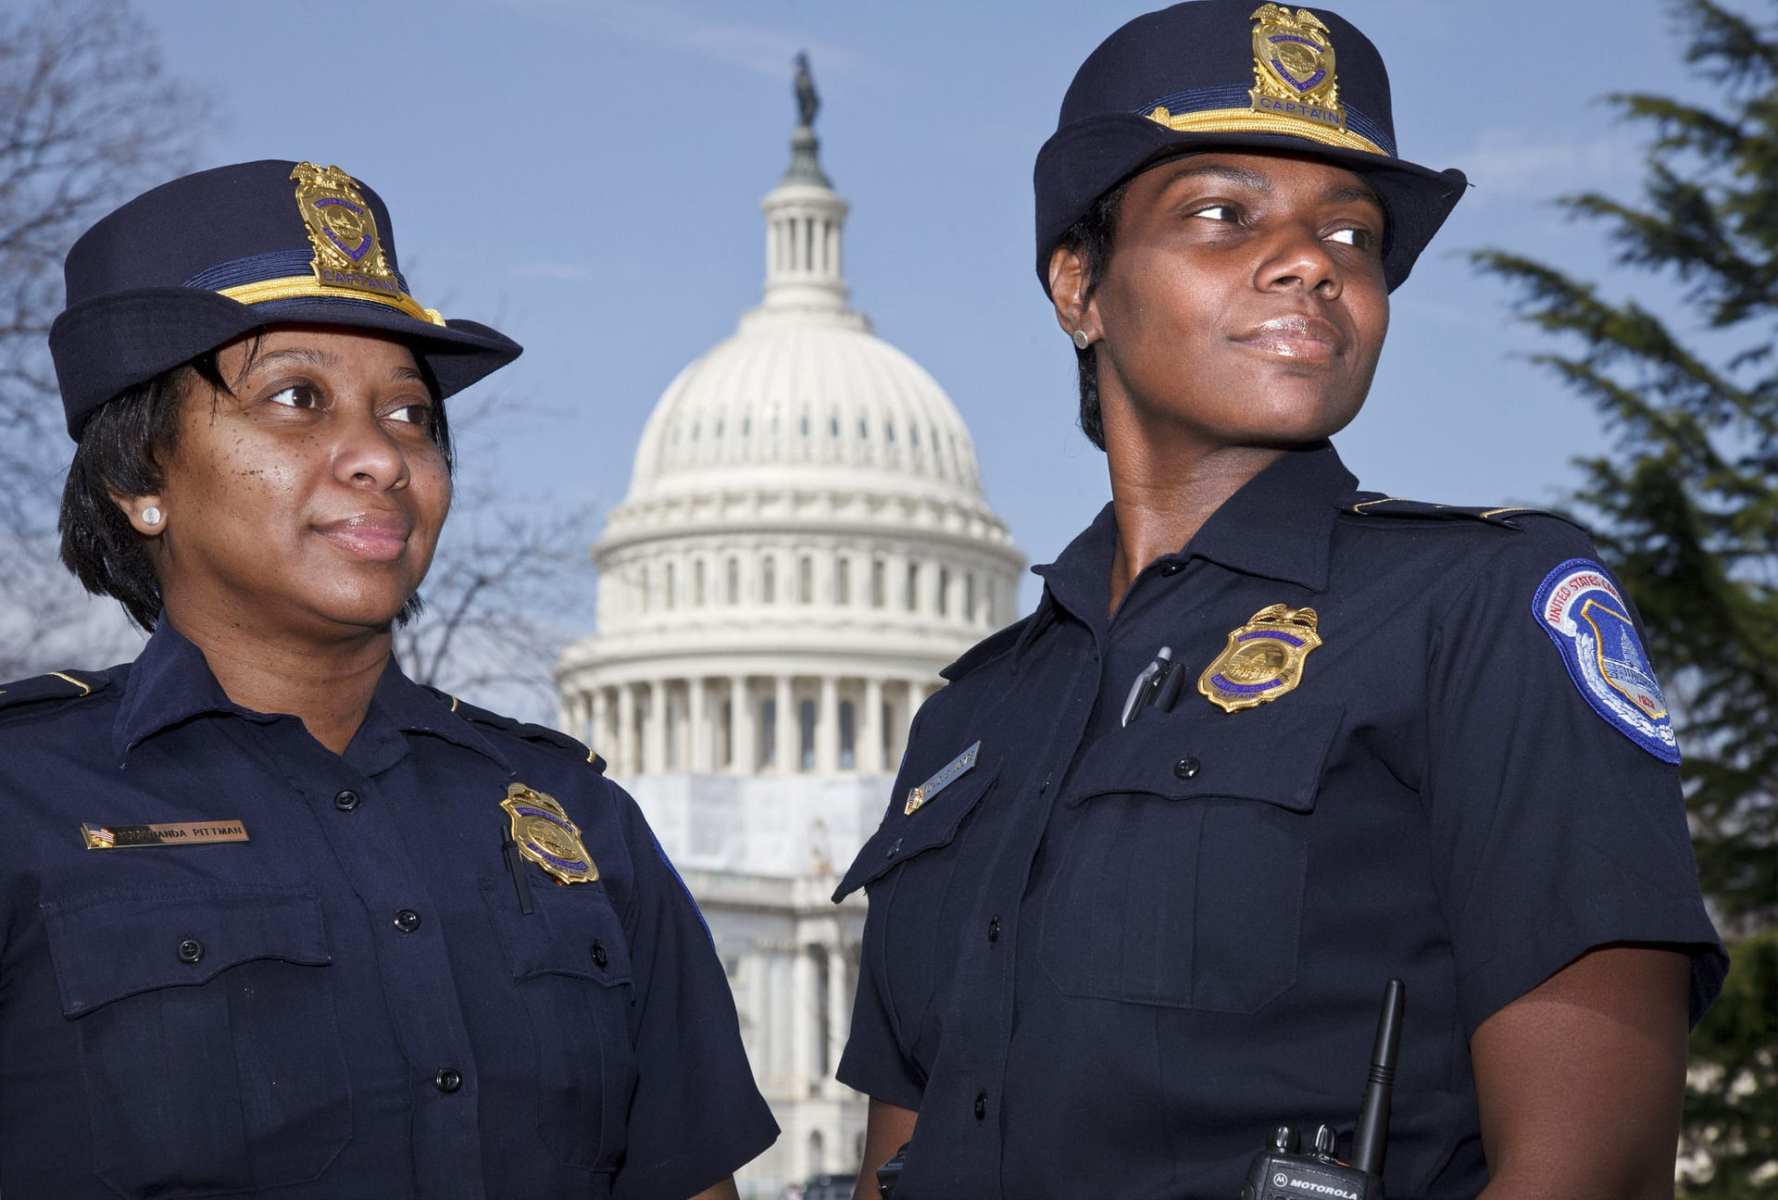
342	230
1263	658
544	834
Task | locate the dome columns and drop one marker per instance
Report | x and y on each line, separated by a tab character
791	723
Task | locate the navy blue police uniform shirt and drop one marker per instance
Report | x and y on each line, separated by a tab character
361	1000
1106	960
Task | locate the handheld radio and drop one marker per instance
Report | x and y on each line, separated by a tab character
1282	1172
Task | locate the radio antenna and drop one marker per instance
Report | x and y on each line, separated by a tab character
1372	1132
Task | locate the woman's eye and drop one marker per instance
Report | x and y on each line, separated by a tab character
1364	239
412	414
1218	212
297	395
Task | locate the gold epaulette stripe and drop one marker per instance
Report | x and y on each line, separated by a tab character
1495	512
453	704
1362	505
85	691
305	287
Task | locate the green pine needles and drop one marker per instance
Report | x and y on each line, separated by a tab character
1685	506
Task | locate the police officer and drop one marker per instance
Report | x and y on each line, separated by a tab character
277	920
1268	741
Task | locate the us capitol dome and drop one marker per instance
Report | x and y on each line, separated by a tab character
804	544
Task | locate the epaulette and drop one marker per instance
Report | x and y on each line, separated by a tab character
1375	504
539	734
984	651
44	693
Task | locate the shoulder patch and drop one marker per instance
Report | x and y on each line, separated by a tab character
986	650
541	735
1589	621
1375	504
51	690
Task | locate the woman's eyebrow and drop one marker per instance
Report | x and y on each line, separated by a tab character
1346	192
1225	171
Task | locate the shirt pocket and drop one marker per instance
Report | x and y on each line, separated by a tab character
1182	857
920	894
207	1034
570	964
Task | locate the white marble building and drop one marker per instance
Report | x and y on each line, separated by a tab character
803	545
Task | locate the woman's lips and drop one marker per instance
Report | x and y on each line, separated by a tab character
372	537
1298	337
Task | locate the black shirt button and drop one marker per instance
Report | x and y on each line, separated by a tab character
1172	568
1186	768
981	1106
191	951
448	1080
407	920
600	958
994	929
345	800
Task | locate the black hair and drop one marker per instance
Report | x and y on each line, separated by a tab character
1091	237
122	452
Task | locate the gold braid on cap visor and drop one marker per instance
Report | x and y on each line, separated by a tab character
1243	120
306	287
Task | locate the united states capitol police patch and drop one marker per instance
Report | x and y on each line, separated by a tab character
1588	619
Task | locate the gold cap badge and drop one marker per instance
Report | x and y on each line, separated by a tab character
544	834
1263	658
1293	67
342	230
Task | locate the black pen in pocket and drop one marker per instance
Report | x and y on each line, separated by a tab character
510	852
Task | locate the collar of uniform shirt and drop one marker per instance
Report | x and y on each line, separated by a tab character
170	683
1277	526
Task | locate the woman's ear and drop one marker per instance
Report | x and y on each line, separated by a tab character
1068	292
144	513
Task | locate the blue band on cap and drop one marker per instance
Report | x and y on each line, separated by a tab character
273	264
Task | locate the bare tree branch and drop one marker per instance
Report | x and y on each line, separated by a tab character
88	119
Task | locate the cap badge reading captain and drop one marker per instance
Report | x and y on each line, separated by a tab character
342	230
1262	660
1293	67
544	834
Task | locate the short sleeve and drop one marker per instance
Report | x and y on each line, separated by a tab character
873	1062
696	1116
1558	819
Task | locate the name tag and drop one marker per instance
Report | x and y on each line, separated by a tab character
170	833
947	775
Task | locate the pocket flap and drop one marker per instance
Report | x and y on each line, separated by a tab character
571	930
112	946
1272	753
904	835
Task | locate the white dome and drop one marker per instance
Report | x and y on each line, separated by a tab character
823	398
804	536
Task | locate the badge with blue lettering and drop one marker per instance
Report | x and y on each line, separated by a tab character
947	775
544	834
1263	658
1293	66
1585	615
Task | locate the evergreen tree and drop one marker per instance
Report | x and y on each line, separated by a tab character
1686	508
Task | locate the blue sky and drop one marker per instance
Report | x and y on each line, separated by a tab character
586	175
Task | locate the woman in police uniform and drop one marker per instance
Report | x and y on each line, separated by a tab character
278	920
1118	934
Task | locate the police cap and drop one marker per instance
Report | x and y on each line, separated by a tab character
1235	74
200	261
